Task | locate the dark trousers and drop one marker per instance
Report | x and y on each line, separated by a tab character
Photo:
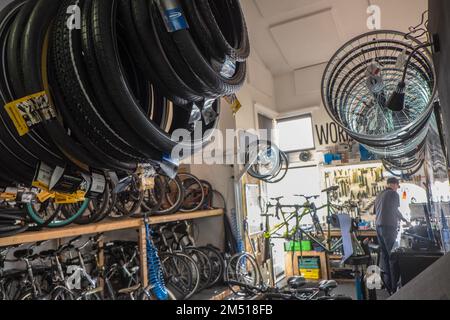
386	239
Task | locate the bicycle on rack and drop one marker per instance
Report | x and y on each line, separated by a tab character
30	284
122	273
292	215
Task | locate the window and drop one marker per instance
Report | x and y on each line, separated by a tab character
296	134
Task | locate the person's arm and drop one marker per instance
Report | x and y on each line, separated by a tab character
396	202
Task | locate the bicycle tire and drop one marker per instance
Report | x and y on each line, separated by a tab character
173	208
134	195
56	224
217	264
204	264
171	273
71	76
240	49
189	181
105	46
195	274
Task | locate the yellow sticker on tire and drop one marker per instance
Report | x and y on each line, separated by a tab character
17	119
29	111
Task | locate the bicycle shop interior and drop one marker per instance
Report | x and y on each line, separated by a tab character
224	150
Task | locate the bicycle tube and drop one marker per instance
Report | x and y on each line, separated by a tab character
39	220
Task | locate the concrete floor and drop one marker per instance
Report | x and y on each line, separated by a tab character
348	289
345	288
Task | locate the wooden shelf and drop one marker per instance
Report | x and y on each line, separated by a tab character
371	163
186	216
101	227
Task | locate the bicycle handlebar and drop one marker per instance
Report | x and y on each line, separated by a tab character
74	240
307	198
245	285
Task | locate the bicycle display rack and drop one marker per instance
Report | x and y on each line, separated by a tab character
109	226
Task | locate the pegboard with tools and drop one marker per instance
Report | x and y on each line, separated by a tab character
357	183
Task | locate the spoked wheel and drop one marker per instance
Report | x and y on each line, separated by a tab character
129	200
242	268
194	194
153	197
204	266
177	275
49	214
217	264
172	195
99	208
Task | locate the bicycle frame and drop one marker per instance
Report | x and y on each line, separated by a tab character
306	209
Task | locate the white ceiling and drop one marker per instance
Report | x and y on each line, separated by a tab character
289	35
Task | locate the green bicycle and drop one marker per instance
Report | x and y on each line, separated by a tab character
291	217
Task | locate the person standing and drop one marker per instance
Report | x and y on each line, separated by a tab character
388	217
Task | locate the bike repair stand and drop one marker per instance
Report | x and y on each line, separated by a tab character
328	222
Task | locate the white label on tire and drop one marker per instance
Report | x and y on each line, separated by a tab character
44	175
98	183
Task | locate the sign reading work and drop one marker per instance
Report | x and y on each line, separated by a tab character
330	133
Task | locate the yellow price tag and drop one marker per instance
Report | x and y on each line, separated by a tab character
8	196
234	102
44	196
76	197
17	119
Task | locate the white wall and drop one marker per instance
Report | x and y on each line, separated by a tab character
258	89
221	179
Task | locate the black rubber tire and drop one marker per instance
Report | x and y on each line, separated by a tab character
105	44
154	50
71	78
239	50
175	206
135	42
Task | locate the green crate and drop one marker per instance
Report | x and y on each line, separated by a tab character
298	246
308	263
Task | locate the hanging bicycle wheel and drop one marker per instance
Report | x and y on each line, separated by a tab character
363	90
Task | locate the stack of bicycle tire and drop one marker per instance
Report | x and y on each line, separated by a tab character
94	87
102	85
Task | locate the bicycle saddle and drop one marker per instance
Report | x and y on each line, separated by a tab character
306	197
328	285
130	289
20	254
358	260
331	189
47	253
277	198
296	282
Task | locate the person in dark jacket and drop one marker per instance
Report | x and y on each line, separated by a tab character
388	217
